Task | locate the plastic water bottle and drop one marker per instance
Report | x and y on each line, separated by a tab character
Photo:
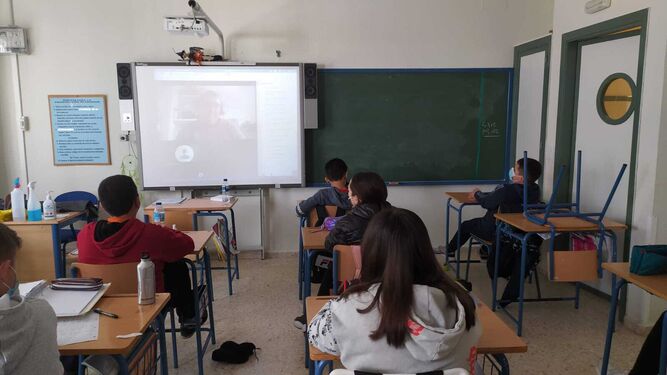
18	202
225	191
158	214
49	207
34	208
146	280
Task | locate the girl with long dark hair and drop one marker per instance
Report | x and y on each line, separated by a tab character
405	315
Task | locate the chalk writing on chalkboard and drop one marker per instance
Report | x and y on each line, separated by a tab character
490	130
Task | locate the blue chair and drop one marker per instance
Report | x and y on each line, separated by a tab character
68	235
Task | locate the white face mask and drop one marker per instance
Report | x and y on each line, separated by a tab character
511	173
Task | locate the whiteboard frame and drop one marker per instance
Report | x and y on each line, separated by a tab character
231	64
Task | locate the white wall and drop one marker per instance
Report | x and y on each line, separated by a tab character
568	16
76	43
10	164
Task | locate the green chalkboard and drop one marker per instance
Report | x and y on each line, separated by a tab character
412	125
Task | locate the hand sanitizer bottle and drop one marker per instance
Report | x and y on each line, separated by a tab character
34	208
49	207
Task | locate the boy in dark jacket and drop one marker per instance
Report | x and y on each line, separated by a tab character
122	239
506	198
336	195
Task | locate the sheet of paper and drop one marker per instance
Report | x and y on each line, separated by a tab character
177	200
78	329
32	288
71	302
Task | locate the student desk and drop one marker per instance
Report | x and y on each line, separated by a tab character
132	317
41	256
497	338
201	207
654	284
562	225
311	244
200	267
464	200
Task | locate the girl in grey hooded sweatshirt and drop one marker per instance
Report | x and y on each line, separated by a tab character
404	315
28	343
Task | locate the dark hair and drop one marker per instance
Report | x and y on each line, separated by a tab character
534	170
369	187
117	194
9	243
335	169
397	254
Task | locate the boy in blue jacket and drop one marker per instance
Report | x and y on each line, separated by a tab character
336	195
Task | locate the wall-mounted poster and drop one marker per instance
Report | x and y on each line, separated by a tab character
79	129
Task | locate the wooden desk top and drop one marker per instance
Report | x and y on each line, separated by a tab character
461	197
654	284
132	317
496	338
313	238
198	204
200	238
60	218
563	224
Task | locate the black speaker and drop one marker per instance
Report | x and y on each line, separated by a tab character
124	73
310	81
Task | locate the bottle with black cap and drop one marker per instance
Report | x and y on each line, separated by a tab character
146	280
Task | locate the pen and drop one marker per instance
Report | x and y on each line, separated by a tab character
105	313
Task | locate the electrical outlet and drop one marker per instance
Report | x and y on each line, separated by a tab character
23	123
186	24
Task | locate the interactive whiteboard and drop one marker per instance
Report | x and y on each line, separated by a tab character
198	125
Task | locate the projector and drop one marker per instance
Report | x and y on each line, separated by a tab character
594	6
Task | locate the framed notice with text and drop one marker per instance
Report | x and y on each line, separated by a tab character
79	129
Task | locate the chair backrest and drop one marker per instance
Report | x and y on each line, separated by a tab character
454	371
77	196
312	217
349	262
122	276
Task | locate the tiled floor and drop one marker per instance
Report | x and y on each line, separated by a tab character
561	340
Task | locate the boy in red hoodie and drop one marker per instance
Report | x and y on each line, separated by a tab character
122	239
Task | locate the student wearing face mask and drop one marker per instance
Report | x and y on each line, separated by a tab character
28	343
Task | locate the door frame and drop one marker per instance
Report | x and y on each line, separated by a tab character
568	98
542	44
567	104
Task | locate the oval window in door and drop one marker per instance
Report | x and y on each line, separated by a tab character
616	98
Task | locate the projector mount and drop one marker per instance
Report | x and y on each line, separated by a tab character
197	11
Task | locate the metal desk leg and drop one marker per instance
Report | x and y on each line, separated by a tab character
209	290
229	254
163	344
503	362
447	230
663	347
235	244
195	287
611	324
320	365
57	256
458	244
522	276
494	283
301	255
174	346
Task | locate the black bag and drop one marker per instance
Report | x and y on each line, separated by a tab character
510	252
317	272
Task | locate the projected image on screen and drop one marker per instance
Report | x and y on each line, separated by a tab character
199	125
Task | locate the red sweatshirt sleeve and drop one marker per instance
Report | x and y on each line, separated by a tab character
169	245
